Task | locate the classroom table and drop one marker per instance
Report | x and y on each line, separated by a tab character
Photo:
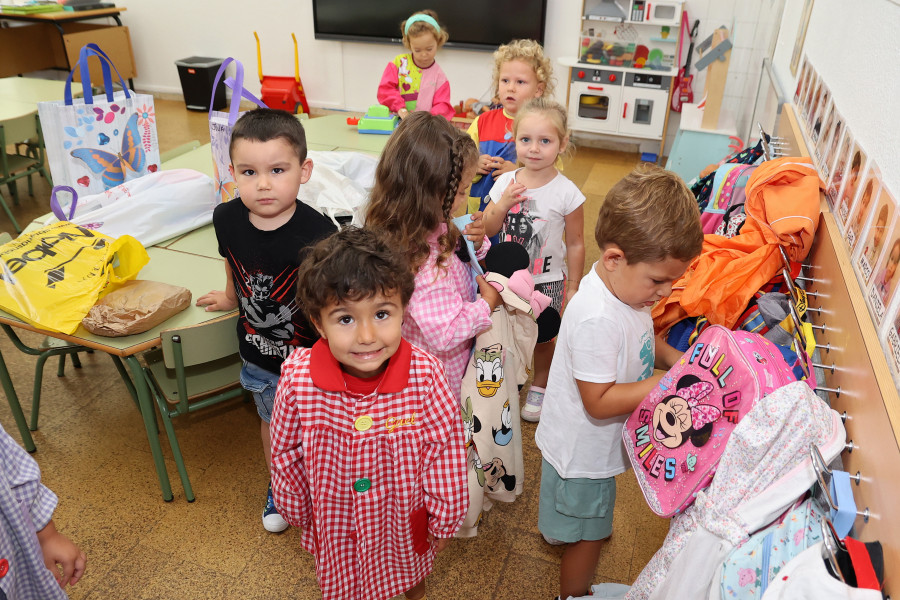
190	260
31	90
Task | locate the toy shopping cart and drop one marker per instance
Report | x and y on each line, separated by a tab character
285	93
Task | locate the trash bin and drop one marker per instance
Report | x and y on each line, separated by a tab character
198	74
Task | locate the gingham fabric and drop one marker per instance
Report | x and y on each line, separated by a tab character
351	469
26	507
443	316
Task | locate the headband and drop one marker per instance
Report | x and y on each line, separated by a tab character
424	19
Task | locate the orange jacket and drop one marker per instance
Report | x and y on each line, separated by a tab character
782	209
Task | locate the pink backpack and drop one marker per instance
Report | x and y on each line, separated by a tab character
676	435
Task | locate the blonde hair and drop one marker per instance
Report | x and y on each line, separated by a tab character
551	110
420	27
529	52
651	215
416	181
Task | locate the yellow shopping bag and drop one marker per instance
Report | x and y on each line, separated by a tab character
52	277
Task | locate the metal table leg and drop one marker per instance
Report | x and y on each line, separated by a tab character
15	407
146	405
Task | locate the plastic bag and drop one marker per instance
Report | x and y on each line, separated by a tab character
153	208
52	276
136	307
340	184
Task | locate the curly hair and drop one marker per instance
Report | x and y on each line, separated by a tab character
529	52
350	265
416	181
419	27
651	215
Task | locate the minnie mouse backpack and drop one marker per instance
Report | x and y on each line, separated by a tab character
676	435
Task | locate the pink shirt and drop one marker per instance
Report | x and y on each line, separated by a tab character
444	314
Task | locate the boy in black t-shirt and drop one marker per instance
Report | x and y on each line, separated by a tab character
261	236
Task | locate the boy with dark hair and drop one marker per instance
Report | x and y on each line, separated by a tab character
648	231
367	443
261	235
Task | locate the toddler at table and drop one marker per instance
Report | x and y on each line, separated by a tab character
367	443
260	235
415	76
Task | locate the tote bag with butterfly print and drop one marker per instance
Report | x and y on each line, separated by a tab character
96	143
221	124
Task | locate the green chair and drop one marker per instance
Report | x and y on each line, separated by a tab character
25	164
195	367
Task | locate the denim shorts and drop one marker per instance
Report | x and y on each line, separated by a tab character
262	384
572	510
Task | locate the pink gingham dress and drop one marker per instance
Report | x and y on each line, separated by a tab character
444	314
351	469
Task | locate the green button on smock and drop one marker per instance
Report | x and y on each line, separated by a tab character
362	485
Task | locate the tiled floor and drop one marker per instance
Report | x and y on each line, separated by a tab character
93	453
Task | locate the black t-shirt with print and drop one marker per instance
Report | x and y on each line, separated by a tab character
264	268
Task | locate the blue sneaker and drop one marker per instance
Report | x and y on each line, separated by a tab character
272	521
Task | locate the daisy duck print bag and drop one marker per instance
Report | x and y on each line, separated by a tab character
676	435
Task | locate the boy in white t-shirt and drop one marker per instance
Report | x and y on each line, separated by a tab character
648	231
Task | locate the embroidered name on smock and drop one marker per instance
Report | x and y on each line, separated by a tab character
394	422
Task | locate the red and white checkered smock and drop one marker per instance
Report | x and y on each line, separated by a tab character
412	456
444	313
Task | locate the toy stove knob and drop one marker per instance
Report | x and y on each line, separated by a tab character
612	77
580	74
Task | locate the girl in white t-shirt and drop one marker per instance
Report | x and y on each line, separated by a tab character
541	209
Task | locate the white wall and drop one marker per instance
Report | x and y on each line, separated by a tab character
344	75
854	46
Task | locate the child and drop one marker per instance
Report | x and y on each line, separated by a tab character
367	444
648	231
415	77
877	236
36	561
850	186
420	181
553	206
883	283
521	72
261	237
862	212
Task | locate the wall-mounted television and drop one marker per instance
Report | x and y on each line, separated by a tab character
472	24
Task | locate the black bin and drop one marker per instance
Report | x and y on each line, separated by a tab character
198	74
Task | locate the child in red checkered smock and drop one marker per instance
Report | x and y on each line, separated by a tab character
422	180
367	443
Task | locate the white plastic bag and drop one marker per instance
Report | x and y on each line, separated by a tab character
340	184
152	208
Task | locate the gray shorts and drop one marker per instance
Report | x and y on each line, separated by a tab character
262	384
572	510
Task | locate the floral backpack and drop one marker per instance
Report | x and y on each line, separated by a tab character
677	434
750	567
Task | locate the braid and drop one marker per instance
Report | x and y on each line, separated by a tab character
457	164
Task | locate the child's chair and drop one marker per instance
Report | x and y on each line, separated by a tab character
15	165
195	367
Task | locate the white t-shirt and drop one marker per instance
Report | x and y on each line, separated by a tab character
539	222
601	339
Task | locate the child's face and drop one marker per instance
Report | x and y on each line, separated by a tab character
364	334
462	192
863	205
268	176
537	142
423	47
517	85
880	226
641	284
892	263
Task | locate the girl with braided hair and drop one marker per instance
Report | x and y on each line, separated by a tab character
421	180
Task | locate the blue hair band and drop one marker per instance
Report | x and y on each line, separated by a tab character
424	19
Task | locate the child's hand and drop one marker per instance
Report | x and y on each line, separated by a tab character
438	543
504	167
512	195
486	162
488	293
59	551
474	231
217	300
402	113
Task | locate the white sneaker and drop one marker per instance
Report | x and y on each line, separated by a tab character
531	412
272	521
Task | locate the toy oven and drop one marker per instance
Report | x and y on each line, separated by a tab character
595	100
645	98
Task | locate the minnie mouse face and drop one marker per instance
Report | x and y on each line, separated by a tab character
681	416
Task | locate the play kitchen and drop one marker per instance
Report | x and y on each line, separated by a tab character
619	84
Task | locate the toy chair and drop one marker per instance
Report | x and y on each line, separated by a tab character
285	93
195	367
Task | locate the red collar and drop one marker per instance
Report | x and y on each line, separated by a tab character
326	372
